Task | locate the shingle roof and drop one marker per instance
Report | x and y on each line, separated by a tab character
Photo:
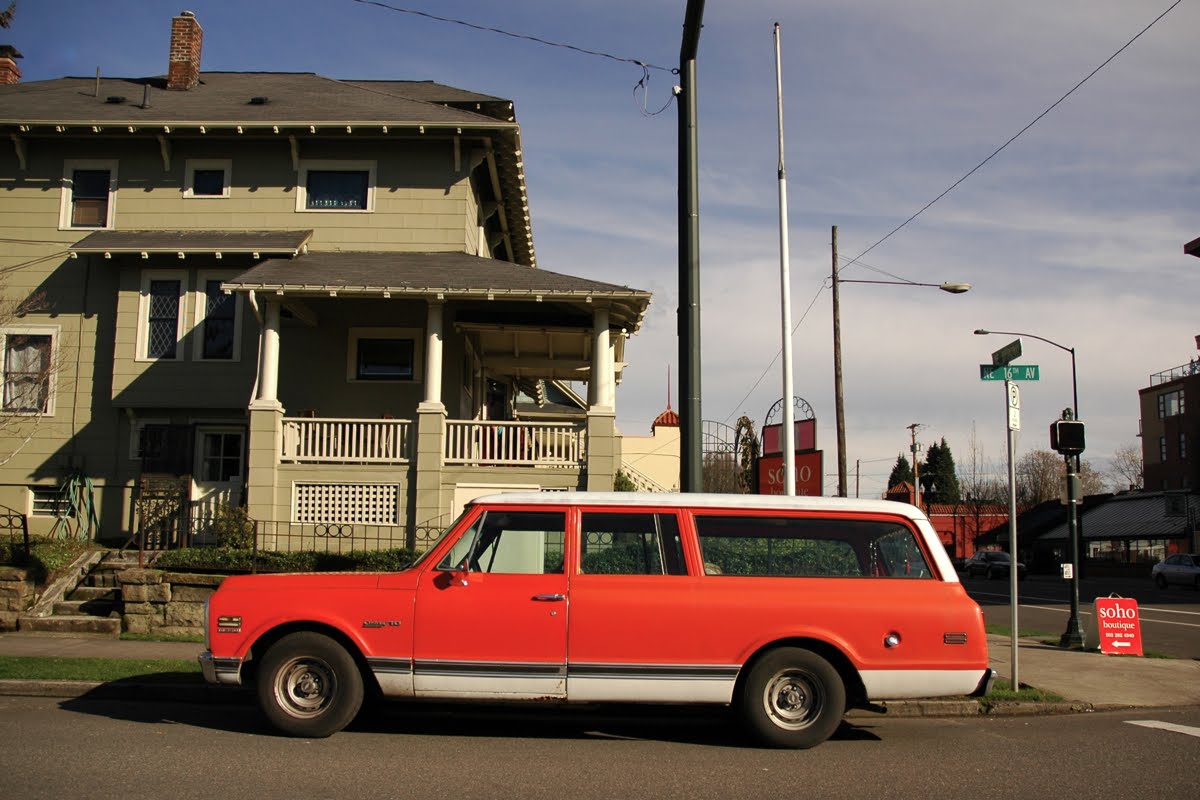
193	242
302	97
1140	515
434	274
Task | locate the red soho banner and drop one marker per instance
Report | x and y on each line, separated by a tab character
808	474
804	433
1120	630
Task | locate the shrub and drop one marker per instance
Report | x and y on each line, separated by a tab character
232	527
46	556
229	559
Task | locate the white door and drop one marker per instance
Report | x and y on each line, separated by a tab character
219	472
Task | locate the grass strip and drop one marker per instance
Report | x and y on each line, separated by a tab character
41	668
1002	690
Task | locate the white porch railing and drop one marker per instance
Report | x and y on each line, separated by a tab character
539	444
353	441
642	481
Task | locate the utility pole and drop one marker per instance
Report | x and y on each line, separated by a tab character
857	474
916	465
690	458
838	400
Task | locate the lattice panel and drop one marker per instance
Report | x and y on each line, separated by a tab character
356	503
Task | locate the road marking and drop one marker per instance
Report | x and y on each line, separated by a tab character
1083	613
1165	726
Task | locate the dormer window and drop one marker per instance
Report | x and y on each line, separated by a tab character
347	186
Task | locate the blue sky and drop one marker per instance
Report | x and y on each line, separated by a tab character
1075	232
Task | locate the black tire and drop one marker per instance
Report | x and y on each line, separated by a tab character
792	698
990	574
309	686
1160	581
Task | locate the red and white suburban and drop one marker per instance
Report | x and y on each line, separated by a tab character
790	609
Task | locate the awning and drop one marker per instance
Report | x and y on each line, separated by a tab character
256	243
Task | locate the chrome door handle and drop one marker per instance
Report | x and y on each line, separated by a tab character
549	598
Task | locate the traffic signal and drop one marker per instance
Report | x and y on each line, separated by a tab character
1066	437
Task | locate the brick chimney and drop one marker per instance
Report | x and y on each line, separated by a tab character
10	73
183	70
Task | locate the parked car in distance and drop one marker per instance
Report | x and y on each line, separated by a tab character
1181	569
992	564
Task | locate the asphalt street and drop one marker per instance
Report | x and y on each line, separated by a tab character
1170	618
55	747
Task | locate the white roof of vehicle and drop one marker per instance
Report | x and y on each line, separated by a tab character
701	500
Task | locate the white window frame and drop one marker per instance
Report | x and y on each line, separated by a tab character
53	331
338	165
68	188
135	434
143	324
200	311
189	176
355	334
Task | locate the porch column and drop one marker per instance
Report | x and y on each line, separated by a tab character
601	390
266	426
268	359
433	353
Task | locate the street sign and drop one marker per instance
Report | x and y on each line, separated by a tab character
1014	372
1120	630
1007	354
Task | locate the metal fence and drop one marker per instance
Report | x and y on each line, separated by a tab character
14	525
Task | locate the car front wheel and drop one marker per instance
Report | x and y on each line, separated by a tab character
1160	581
309	685
793	698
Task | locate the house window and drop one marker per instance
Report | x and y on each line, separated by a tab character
148	438
1170	404
45	501
1162	449
88	194
218	322
160	317
383	354
336	186
207	178
28	361
1183	447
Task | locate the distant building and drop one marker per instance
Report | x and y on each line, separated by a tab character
652	462
957	524
1169	428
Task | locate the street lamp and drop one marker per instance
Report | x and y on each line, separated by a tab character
839	409
1073	636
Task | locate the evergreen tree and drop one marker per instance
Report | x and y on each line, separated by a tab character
939	478
901	473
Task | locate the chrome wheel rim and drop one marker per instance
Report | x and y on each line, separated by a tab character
304	687
793	699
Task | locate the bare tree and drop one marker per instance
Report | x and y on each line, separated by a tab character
1125	471
1042	476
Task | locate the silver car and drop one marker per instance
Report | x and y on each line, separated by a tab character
1180	569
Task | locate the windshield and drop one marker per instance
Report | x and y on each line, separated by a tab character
997	557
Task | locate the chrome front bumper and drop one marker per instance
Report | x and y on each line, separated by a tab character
227	671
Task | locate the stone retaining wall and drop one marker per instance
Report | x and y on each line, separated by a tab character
16	596
166	603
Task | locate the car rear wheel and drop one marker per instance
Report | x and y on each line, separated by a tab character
309	685
792	698
1160	581
990	574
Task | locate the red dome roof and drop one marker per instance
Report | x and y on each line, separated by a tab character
668	419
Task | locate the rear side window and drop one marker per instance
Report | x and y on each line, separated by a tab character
808	547
630	544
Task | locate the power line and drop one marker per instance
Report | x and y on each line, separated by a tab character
645	65
1016	135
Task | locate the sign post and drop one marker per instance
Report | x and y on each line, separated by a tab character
1119	626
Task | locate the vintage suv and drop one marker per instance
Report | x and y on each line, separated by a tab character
790	609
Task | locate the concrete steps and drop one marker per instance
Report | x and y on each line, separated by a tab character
90	608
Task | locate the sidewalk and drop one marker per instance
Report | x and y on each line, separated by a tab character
1085	680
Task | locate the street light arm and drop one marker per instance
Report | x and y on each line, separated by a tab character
1071	350
952	288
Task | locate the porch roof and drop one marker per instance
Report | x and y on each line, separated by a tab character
438	276
160	241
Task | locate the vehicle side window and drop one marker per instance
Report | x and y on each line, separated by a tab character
630	544
808	547
511	542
